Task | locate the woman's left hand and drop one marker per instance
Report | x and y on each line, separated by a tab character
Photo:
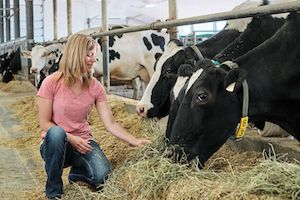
141	142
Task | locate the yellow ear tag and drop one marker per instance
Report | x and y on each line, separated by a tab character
242	126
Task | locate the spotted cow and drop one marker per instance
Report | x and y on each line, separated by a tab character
42	59
132	55
262	85
10	65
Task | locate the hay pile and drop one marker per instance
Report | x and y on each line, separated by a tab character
147	174
17	87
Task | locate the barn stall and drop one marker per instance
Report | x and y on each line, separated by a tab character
248	169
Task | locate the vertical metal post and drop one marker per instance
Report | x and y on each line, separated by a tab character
29	26
17	18
69	16
105	51
7	19
1	22
55	20
172	15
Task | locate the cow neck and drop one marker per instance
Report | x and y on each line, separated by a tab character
242	126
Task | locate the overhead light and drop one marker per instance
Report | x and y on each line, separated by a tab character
149	6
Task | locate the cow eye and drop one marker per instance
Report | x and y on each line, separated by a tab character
202	97
168	71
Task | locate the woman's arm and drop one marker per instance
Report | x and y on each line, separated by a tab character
45	113
113	127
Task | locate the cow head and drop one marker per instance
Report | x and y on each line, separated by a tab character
156	98
43	56
185	71
200	127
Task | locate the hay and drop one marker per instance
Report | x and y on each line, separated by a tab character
17	87
148	174
152	176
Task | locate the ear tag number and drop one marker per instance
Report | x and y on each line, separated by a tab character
242	126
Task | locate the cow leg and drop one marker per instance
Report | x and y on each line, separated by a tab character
136	84
144	78
144	75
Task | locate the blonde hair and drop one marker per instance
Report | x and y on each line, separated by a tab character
72	65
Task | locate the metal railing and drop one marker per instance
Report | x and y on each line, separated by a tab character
262	10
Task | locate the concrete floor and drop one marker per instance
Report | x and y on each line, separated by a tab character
15	170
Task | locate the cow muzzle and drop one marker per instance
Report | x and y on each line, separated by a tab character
33	70
142	111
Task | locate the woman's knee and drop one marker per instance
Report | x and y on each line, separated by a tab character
56	134
101	175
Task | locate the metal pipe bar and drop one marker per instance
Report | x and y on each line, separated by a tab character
172	16
1	23
6	8
262	10
104	41
55	36
7	20
17	18
69	16
29	28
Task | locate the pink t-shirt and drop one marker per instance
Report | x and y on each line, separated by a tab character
70	111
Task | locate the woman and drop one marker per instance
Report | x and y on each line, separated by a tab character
64	100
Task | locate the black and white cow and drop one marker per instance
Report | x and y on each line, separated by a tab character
43	56
132	55
213	105
10	65
42	59
155	101
258	30
4	62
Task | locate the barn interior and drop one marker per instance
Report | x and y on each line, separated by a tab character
259	166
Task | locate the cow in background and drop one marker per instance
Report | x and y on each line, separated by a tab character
42	59
212	106
10	64
133	55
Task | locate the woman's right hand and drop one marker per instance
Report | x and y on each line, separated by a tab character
81	145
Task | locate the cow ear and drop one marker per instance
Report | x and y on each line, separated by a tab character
234	79
185	70
49	55
179	58
26	54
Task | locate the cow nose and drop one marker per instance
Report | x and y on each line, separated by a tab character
141	111
33	70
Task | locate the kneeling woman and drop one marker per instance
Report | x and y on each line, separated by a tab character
65	100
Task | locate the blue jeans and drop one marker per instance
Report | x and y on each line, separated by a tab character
92	168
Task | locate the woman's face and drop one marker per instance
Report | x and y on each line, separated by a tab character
90	59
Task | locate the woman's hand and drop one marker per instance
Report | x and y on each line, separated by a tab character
81	145
141	142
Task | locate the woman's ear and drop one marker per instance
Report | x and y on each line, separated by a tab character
234	79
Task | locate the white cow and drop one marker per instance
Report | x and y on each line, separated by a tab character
43	56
